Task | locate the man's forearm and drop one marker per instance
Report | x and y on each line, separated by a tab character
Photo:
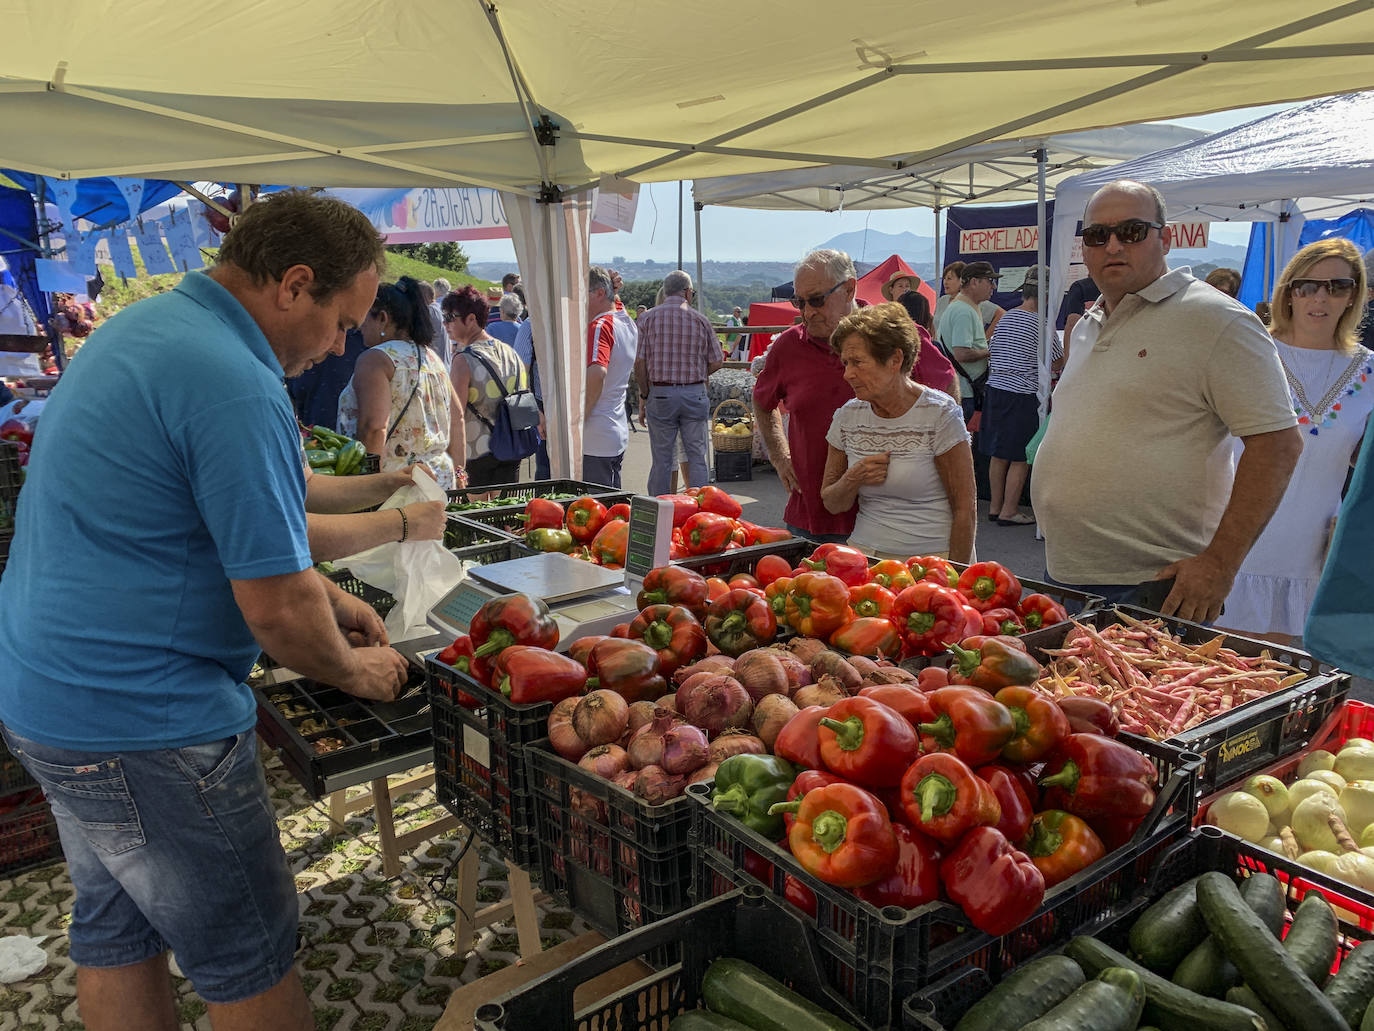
336	535
769	421
336	494
969	354
1262	474
301	633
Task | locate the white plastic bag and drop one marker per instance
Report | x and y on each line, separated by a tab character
416	573
20	958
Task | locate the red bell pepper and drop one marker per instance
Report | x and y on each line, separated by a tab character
618	511
1012	799
943	797
975	620
526	675
842	835
627	667
937	570
512	619
609	544
871	600
874	636
676	549
460	656
1115	831
1002	621
968	722
776	595
1040	610
713	499
867	743
997	886
770	568
817	604
673	632
581	648
915	880
766	534
738	535
929	617
674	585
1060	844
990	585
740	620
1041	725
799	740
684	507
541	513
706	533
892	574
1092	775
911	703
797	893
1089	715
992	665
621	631
849	564
806	781
585	518
932	678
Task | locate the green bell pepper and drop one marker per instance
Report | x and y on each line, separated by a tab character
747	786
548	539
321	459
350	458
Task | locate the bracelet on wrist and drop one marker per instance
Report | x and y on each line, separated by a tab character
405	526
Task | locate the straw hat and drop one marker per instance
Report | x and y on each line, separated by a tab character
899	274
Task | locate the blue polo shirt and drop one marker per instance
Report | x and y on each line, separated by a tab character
167	463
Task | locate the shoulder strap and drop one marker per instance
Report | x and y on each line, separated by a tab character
491	371
419	371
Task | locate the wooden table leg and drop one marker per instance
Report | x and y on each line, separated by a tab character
468	868
338	810
386	829
526	917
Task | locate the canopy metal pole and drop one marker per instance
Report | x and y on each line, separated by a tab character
679	223
1042	285
701	289
939	258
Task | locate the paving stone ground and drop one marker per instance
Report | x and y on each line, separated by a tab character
370	957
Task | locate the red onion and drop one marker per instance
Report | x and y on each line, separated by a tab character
586	805
600	717
562	736
646	746
626	780
656	786
707	772
770	716
797	672
716	704
761	673
641	714
684	749
668	701
734	742
605	761
710	664
691	683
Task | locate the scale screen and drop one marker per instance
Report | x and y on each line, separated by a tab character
455	610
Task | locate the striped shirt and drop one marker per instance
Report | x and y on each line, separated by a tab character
1013	351
677	343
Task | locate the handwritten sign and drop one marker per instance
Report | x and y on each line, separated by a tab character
999	239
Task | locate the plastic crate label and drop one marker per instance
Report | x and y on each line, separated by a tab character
1236	755
477	746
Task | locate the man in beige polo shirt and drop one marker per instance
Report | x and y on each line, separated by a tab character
1132	482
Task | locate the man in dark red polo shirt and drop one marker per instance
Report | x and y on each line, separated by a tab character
801	372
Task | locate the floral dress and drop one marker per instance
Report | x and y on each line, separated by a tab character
422	435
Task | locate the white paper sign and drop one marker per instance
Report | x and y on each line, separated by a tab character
120	255
181	238
81	251
615	202
152	250
132	189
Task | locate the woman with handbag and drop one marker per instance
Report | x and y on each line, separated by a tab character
484	372
400	402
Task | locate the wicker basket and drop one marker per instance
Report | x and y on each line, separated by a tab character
731	441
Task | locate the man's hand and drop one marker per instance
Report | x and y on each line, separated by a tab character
358	621
425	521
783	464
869	471
643	413
1201	584
380	674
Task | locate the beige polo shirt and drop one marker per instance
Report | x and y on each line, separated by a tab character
1132	474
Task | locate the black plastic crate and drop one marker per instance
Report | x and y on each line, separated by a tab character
371	464
1250	736
940	1005
516	494
508	521
734	466
13	776
11	477
6	539
28	831
378	599
469	540
619	862
875	957
726	564
480	772
744	924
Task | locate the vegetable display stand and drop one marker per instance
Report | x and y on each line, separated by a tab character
940	1005
514	495
1248	737
742	924
6	538
470	540
479	759
619	862
28	831
876	956
510	521
743	560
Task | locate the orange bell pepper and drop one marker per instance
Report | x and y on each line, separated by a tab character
842	836
892	574
871	600
818	604
608	546
776	592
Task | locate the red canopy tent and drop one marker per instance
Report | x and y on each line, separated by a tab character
871	285
765	313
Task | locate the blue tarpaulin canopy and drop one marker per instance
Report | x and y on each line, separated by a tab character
19	247
1257	281
100	200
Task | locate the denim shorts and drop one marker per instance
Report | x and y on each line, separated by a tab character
173	848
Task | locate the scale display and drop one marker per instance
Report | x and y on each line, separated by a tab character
455	610
650	540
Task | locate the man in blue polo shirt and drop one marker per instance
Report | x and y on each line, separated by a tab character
160	544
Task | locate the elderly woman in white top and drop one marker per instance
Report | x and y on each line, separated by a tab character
900	448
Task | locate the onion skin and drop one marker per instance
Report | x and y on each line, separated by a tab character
716	704
826	693
605	761
562	737
711	664
641	714
890	675
626	780
646	745
863	664
797	672
684	750
692	682
668	701
761	673
734	742
706	773
656	785
828	663
806	648
600	717
770	716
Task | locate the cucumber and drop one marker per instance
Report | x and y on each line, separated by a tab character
1206	970
1170	929
1311	938
1267	968
1112	1002
701	1020
1027	993
743	992
1167	1006
1352	989
1241	995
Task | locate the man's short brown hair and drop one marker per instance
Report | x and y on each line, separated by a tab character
295	227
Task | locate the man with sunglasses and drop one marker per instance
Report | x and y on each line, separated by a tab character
1133	482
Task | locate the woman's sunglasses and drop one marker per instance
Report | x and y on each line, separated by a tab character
816	300
1334	287
1133	230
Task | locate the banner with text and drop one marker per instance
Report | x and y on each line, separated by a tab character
436	215
1004	235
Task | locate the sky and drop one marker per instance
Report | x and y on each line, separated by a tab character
738	234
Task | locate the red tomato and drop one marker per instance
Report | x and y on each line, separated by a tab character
770	568
717	588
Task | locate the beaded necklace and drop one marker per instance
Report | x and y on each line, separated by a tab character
1354	377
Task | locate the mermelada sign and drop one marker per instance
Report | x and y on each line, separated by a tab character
1002	239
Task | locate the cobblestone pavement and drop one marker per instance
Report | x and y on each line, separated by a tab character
371	958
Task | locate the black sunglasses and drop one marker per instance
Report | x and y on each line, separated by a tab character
1342	287
1133	230
816	300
